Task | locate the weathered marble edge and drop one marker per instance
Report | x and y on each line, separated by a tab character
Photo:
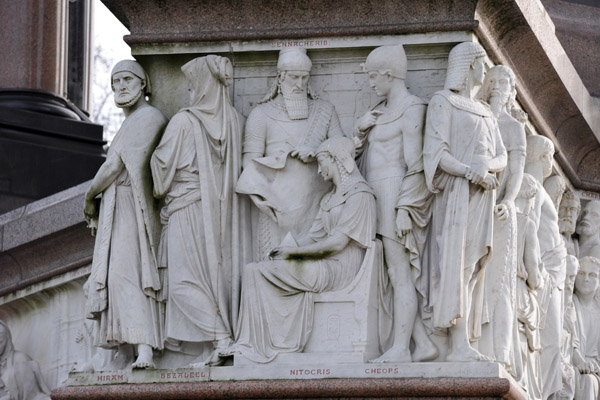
308	43
43	217
495	387
296	371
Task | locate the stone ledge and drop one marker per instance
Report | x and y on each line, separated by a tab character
453	380
191	20
44	239
451	388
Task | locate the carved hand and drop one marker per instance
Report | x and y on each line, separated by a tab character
403	223
305	154
489	182
535	280
586	367
90	209
502	209
477	173
358	142
368	120
281	253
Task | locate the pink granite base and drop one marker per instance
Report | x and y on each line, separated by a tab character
422	388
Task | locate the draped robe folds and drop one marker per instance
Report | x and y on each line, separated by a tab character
130	195
527	368
196	166
22	378
460	232
276	311
500	331
586	343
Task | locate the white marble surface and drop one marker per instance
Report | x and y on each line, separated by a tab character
295	371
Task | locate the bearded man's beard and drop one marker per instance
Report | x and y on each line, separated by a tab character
296	104
566	227
498	99
128	101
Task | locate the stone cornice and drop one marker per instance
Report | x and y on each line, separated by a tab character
44	239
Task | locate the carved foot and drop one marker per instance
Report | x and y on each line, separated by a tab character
396	354
144	359
466	354
425	353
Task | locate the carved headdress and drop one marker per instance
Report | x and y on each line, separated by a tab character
387	58
135	68
461	58
341	150
291	59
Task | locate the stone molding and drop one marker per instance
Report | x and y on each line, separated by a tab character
520	34
44	239
189	20
455	388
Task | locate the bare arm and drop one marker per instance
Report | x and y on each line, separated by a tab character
516	166
321	249
108	172
452	166
498	163
412	130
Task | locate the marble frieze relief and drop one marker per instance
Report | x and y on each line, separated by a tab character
336	213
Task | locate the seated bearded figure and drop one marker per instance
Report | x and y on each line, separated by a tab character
276	311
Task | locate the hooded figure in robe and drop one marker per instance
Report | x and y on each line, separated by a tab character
195	168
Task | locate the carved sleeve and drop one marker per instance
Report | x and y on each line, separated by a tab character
255	134
358	219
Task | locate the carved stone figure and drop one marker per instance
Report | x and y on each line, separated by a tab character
276	310
586	351
588	230
124	285
20	376
527	368
500	330
390	146
569	374
555	186
195	168
281	136
569	209
539	164
462	153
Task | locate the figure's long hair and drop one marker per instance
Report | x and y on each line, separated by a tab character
460	60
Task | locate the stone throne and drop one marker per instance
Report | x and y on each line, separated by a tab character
346	321
345	328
